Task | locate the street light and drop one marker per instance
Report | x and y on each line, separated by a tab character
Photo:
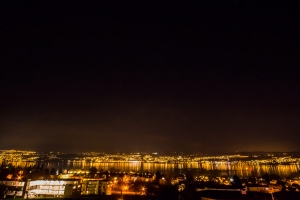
143	190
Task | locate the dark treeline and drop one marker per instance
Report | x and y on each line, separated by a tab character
32	172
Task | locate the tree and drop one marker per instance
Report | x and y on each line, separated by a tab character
19	170
266	177
28	170
3	174
53	171
274	177
236	181
46	173
189	186
13	172
10	166
157	176
93	171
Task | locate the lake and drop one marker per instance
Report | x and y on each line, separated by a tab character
216	168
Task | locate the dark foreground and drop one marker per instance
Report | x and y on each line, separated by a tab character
205	195
220	195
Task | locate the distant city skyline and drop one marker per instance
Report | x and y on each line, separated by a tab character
243	164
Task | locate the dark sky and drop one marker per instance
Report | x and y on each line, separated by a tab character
216	76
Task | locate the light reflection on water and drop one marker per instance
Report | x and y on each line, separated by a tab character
207	168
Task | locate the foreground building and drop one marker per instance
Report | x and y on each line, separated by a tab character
55	188
13	188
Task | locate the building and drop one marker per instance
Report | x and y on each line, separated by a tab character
90	187
263	188
105	187
13	188
95	187
45	188
54	188
293	181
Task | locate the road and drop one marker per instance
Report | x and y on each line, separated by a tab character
124	192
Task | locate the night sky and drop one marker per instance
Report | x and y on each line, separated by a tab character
217	76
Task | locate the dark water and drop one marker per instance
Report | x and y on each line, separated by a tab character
208	168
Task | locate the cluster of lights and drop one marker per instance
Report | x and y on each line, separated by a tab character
94	157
